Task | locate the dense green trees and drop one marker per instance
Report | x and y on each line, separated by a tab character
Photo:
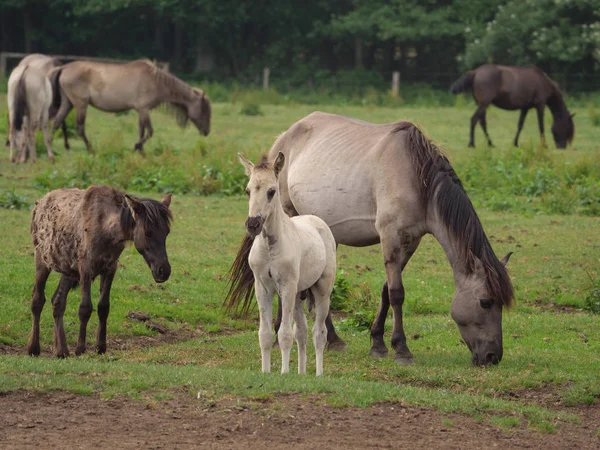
427	40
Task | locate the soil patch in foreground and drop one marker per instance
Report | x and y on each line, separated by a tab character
68	421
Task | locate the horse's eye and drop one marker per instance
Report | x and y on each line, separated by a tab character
486	303
248	192
270	193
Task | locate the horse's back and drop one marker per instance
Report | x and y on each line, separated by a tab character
41	62
56	229
346	171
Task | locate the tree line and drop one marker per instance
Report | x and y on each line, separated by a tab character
429	41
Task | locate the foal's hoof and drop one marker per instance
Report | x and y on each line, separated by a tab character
378	352
404	358
336	345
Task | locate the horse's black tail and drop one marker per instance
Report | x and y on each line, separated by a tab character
241	281
20	102
464	83
54	77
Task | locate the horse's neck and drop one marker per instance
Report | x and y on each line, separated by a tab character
276	226
556	103
175	90
452	249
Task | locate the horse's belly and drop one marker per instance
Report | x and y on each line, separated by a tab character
349	212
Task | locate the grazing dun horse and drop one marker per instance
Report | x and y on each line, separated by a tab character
81	234
519	88
138	85
389	184
30	106
293	257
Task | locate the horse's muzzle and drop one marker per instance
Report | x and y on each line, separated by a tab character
162	273
254	225
485	359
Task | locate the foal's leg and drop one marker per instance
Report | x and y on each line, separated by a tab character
265	336
85	311
540	116
285	334
37	304
59	305
144	125
104	308
520	125
300	333
322	292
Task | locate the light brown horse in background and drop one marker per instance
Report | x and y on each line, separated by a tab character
138	85
30	106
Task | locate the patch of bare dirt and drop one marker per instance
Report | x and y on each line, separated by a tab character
68	421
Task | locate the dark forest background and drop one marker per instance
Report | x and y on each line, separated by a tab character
307	42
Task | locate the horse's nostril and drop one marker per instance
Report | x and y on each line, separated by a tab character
491	358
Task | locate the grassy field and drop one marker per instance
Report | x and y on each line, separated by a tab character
552	341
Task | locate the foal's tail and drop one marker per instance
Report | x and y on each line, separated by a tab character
464	83
20	103
54	77
241	281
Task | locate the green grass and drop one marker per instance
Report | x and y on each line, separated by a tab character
551	340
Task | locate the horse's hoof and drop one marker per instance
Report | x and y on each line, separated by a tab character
378	352
138	148
101	349
471	145
404	359
337	346
62	353
80	350
33	350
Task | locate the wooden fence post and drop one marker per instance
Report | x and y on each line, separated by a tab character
395	83
2	64
266	73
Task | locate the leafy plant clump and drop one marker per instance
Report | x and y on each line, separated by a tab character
12	200
592	300
251	109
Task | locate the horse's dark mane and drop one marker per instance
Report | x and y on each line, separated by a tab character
440	186
264	163
155	213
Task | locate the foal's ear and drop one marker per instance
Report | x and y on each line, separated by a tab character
246	163
504	261
135	206
279	162
167	200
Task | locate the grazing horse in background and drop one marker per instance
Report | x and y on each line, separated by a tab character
293	257
30	106
514	88
138	85
389	184
81	234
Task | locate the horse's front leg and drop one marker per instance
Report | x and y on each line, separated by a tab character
104	308
37	304
396	255
285	334
300	333
144	125
59	304
264	297
85	311
520	125
540	116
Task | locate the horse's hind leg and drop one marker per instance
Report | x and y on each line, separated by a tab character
59	304
483	123
103	309
37	305
300	333
80	114
48	140
378	348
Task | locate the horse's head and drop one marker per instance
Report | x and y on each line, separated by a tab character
151	226
199	112
478	314
262	190
563	130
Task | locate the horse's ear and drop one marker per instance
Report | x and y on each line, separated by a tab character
167	200
279	162
504	261
135	206
246	163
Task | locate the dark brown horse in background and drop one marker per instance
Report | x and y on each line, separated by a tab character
514	88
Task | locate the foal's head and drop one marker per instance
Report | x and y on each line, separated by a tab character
199	112
262	190
149	222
